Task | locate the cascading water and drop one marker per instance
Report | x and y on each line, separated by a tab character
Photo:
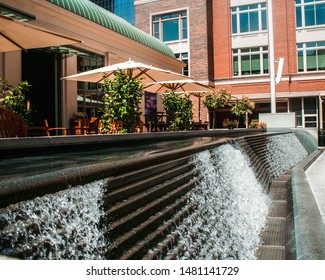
65	225
230	209
229	205
283	152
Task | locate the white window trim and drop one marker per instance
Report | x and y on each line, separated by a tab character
261	52
304	49
237	13
169	12
303	20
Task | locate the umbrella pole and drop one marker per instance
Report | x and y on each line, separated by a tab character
200	110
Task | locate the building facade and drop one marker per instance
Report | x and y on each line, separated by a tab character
106	40
227	45
299	38
184	27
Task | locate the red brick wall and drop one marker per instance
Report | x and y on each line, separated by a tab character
284	34
222	39
197	20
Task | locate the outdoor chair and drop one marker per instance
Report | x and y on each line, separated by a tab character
55	129
11	125
45	130
93	126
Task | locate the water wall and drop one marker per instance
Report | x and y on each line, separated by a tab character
210	204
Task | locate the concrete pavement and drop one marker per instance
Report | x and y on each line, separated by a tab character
316	178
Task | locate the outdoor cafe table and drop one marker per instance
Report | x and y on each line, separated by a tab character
155	121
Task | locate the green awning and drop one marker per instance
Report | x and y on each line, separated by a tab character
99	15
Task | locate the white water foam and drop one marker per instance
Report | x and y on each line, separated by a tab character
230	208
64	225
283	152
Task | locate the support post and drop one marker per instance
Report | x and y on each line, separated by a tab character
271	55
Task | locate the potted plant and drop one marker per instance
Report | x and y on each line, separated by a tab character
14	98
230	124
215	100
80	116
179	110
243	108
122	97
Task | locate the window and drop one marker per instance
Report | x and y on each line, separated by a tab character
306	111
89	94
311	56
310	13
250	61
184	58
250	18
170	27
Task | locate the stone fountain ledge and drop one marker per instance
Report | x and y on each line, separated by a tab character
8	145
38	185
309	225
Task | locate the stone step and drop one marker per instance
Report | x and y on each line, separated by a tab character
275	232
271	252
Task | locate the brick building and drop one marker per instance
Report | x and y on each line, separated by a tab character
227	45
183	26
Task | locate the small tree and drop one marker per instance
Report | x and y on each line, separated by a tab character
15	100
216	100
122	97
242	108
179	111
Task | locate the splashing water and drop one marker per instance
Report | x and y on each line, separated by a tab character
283	152
64	225
231	208
229	212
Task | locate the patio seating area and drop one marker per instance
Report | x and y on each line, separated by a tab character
12	125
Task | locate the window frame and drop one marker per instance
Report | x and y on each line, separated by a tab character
89	95
158	20
239	53
300	13
303	48
240	11
184	57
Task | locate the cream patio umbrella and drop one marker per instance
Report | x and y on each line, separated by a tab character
181	86
17	35
137	70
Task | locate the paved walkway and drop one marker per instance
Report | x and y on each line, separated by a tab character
316	178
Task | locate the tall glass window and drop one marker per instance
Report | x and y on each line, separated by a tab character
250	61
170	27
248	18
90	94
306	109
184	58
311	56
310	13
